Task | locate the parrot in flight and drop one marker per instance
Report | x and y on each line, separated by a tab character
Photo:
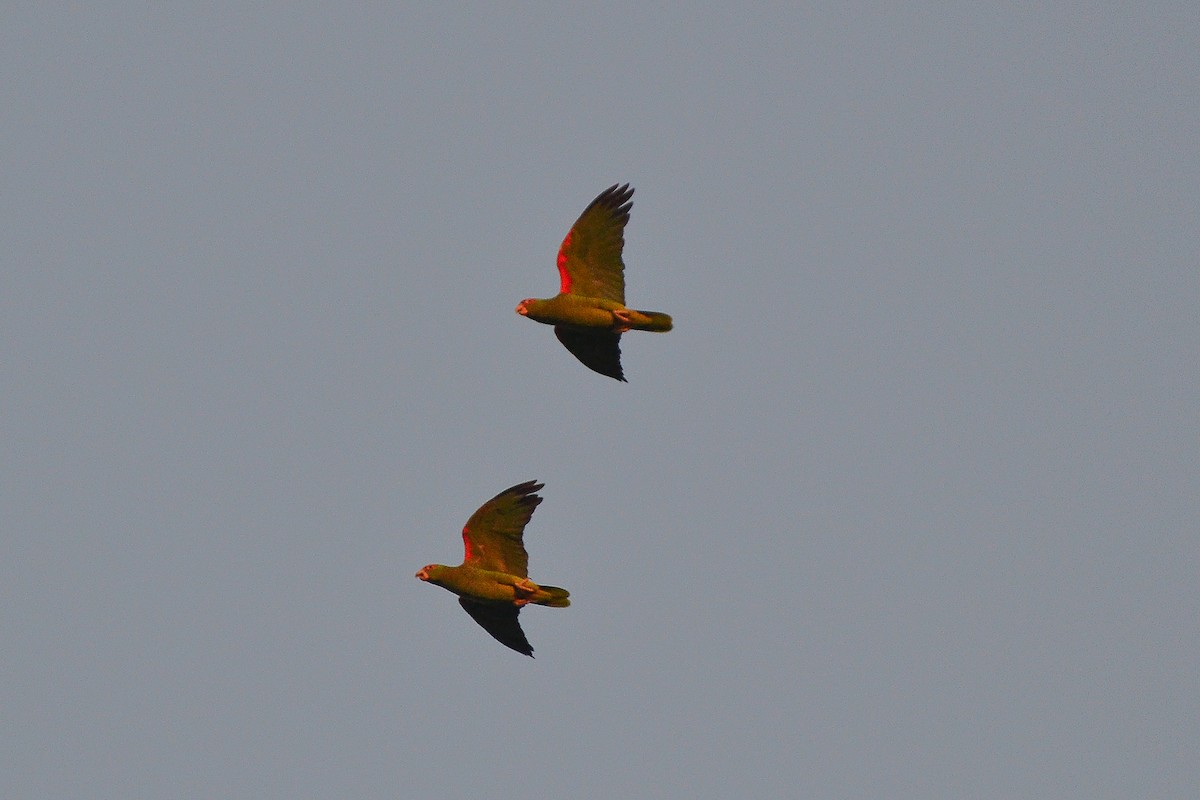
493	583
589	313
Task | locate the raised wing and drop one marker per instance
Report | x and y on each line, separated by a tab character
589	261
492	536
501	622
597	350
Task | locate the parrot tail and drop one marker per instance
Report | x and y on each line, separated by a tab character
652	321
553	596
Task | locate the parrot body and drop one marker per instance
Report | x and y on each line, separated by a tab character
593	314
486	585
493	582
589	313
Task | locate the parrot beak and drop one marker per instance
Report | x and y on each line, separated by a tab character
521	308
422	574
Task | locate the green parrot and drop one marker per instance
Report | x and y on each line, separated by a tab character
493	583
589	313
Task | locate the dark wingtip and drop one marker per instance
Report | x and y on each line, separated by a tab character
526	488
619	375
514	646
526	494
617	199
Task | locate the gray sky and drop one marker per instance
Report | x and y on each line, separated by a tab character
905	506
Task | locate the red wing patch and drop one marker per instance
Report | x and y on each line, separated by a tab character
563	275
466	546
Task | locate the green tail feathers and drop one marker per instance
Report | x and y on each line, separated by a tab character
653	321
557	598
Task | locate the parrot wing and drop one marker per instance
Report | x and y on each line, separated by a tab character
597	350
501	622
492	536
589	261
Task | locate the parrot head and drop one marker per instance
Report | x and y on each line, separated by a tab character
537	310
429	572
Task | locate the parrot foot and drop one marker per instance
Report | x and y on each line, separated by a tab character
521	601
623	321
525	587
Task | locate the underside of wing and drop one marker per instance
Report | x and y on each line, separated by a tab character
492	537
501	622
589	261
597	350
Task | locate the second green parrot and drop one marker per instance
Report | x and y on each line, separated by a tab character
589	313
493	583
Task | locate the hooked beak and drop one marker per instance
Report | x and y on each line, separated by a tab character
521	308
422	574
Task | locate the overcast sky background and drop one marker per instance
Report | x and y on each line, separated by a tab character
905	506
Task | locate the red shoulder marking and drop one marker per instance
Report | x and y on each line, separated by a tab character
564	276
466	546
